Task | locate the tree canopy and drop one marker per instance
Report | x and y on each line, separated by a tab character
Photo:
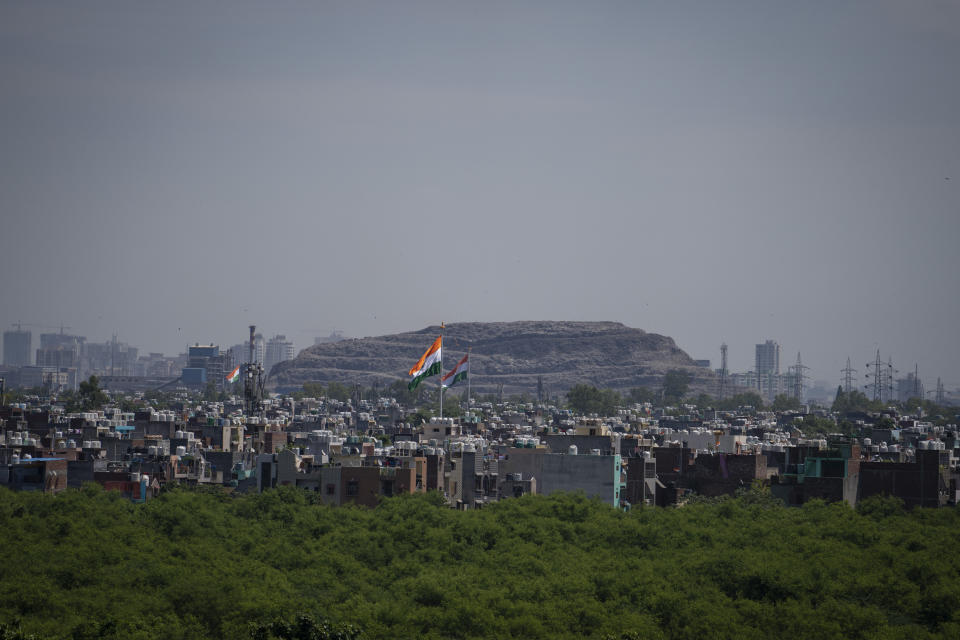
204	564
586	399
675	385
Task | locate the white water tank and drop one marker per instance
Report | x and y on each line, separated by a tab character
572	450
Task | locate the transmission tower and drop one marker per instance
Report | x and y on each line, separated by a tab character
723	370
848	375
939	393
875	370
797	371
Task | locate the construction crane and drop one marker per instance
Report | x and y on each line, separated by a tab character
18	325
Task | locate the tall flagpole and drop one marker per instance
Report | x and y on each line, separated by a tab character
441	371
469	349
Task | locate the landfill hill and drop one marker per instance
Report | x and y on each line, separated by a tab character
514	354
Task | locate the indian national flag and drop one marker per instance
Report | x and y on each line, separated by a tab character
233	375
457	374
428	365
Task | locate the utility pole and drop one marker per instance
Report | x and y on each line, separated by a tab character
723	370
889	379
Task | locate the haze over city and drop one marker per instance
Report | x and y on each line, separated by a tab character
714	172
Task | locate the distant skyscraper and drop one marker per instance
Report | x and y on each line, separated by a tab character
16	348
278	349
768	358
769	382
241	352
59	350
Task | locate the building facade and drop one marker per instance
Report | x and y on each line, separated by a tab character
16	348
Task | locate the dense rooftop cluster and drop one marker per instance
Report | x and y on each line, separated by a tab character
360	451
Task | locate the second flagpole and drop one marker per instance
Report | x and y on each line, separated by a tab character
441	371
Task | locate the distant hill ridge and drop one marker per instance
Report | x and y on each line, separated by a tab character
605	354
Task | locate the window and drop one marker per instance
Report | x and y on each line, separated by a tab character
353	488
331	489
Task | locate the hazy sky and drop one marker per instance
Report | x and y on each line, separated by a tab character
712	171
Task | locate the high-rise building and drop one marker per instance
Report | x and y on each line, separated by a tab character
59	350
767	366
16	348
205	364
112	358
278	349
768	358
910	387
241	352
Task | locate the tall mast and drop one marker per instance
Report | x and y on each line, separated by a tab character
440	382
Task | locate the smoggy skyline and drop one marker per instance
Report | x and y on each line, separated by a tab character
714	172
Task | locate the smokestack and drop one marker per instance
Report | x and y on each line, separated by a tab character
253	329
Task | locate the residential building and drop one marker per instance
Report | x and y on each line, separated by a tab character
277	349
241	352
16	348
768	358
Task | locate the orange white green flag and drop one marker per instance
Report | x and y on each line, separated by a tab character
233	375
457	374
428	365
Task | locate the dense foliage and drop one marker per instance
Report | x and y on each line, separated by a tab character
585	398
197	564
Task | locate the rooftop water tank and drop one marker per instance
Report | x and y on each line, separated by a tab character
572	450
